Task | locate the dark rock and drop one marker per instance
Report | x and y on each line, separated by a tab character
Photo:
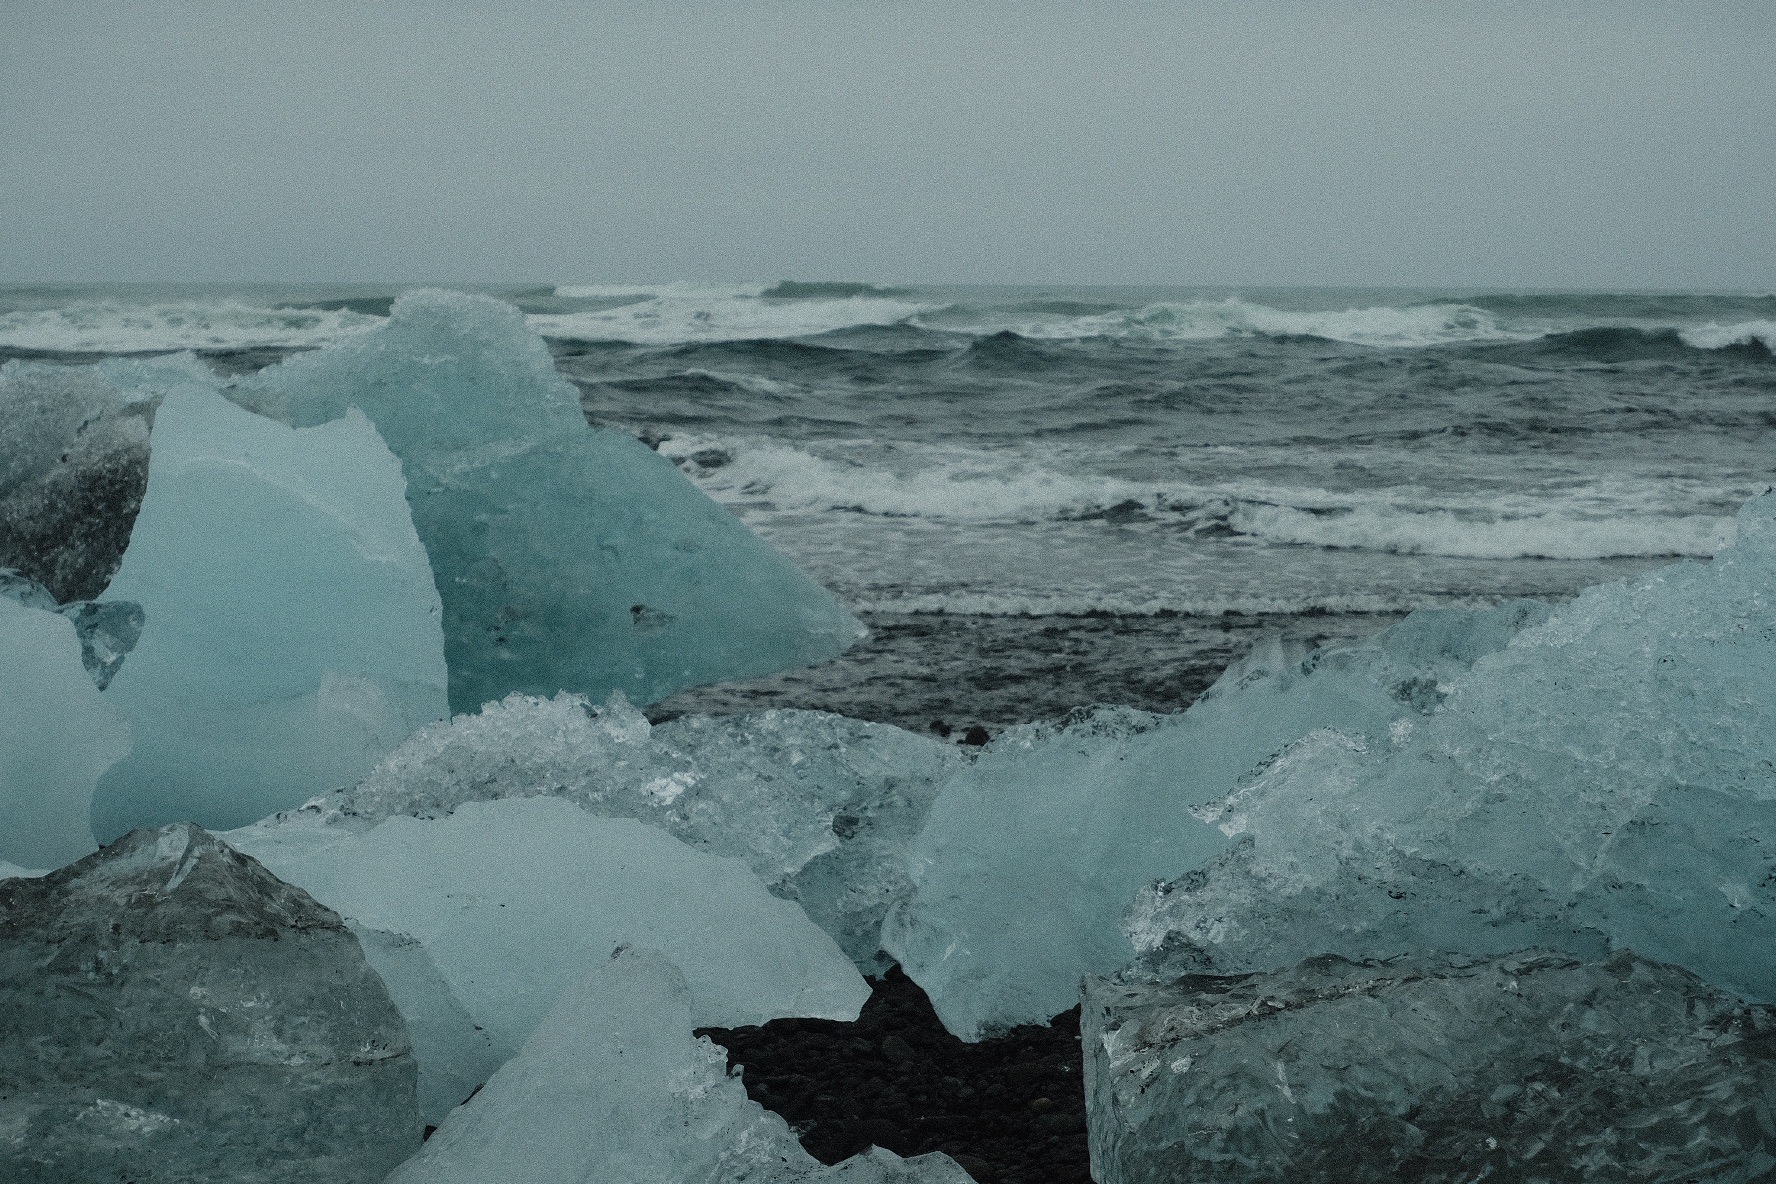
896	1078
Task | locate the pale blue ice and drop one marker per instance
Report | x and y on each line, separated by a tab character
568	557
292	632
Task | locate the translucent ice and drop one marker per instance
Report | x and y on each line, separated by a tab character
1024	867
1027	857
1606	774
57	737
568	558
514	900
614	1089
108	631
1431	1068
820	806
73	463
170	1011
292	630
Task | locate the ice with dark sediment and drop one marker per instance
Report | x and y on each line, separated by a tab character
821	807
1030	857
73	464
1604	780
292	631
514	900
58	736
568	557
171	1011
1438	1068
613	1088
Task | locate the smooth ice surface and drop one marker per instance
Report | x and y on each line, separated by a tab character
1023	869
1028	856
1432	1068
455	1054
170	1011
1605	775
73	463
569	558
821	807
614	1089
57	737
108	631
515	900
292	630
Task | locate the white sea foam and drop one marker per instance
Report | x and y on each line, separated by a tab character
674	313
1714	335
1202	320
962	485
115	327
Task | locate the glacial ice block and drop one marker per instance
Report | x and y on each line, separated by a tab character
1531	1066
73	464
1605	776
107	631
170	1011
568	558
57	737
1024	868
821	807
292	630
514	900
614	1089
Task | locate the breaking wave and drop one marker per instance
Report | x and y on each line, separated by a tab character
113	327
1745	333
678	313
978	486
1203	320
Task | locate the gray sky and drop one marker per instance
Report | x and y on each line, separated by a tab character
1628	144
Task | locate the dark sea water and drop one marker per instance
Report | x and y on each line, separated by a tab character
1043	498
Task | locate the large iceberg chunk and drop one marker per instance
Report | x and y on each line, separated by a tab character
1026	857
73	465
1024	868
1607	774
515	900
1531	1066
614	1089
57	737
292	629
170	1011
821	807
568	558
108	630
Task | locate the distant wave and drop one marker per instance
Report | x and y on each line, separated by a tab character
1745	333
108	327
1203	320
975	486
678	313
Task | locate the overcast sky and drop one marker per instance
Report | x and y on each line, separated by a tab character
1626	144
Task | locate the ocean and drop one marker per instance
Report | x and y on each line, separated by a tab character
1045	498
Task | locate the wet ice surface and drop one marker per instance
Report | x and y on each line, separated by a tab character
613	1087
516	900
291	629
568	557
73	466
821	807
170	1011
1028	854
1602	779
57	738
1433	1068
